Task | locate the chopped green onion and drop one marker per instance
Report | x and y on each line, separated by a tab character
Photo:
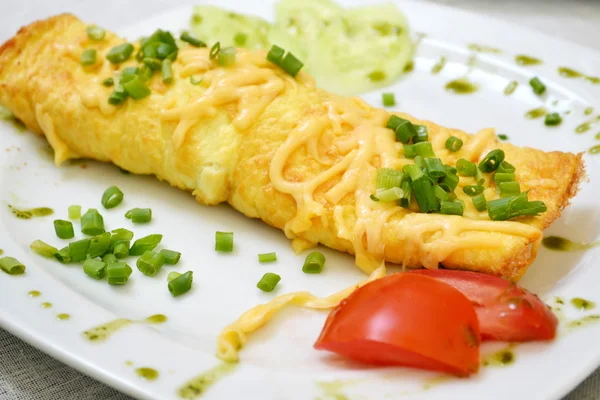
452	196
456	207
74	212
120	53
150	263
405	131
409	151
88	57
121	249
129	73
450	169
453	143
388	178
173	275
63	229
374	198
424	149
406	187
99	245
267	257
440	193
391	194
108	82
112	197
553	119
117	97
413	171
420	162
139	215
11	266
479	177
186	37
268	282
275	55
500	177
466	167
181	284
63	255
92	222
240	39
94	268
479	202
505	167
95	32
136	88
538	87
509	189
450	182
43	249
153	63
171	257
473	190
502	136
425	195
166	51
224	241
394	122
514	206
314	263
214	50
79	249
118	273
389	100
195	81
435	168
167	71
109	258
144	244
226	57
422	134
119	235
291	64
491	161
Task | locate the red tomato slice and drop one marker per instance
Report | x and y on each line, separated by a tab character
506	312
408	320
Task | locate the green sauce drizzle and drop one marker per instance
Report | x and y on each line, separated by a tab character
582	304
562	244
597	137
589	319
536	113
586	126
34	293
501	358
588	110
572	74
524	60
46	305
510	88
409	67
436	381
34	212
156	319
63	317
148	374
128	363
483	49
438	66
333	389
200	384
1	251
461	86
595	149
102	332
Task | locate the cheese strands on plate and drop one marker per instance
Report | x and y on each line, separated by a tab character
232	126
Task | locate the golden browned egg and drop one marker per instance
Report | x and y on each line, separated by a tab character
275	148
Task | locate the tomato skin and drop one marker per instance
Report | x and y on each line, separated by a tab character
506	312
407	320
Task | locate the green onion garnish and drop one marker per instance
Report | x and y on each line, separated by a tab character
117	97
425	195
267	257
409	151
11	266
63	255
112	197
509	189
171	257
121	249
450	182
92	222
435	168
514	206
391	194
479	177
491	161
291	64
268	282
94	268
473	190
224	241
128	74
109	258
275	55
502	136
424	149
136	88
394	122
456	207
99	245
450	169
538	87
63	229
139	215
167	71
226	56
88	57
118	273
166	51
466	168
440	193
43	249
553	119
240	39
120	53
422	134
413	171
500	177
479	202
388	178
108	82
79	249
119	235
153	63
389	100
406	187
373	197
144	244
506	167
186	37
214	50
173	275
150	263
314	263
195	81
95	32
181	284
405	131
145	73
453	143
420	162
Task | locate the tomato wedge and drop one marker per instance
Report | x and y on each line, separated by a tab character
408	320
506	312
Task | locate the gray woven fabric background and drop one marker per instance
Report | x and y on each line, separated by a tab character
28	374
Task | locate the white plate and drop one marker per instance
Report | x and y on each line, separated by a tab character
279	362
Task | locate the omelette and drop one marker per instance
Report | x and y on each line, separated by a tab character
274	147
